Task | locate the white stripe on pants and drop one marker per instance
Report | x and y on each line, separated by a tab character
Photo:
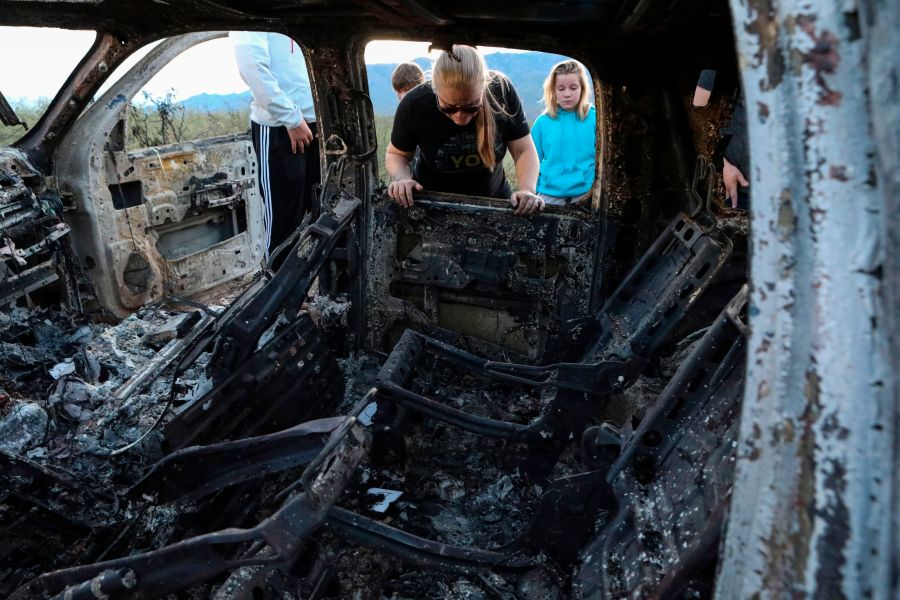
266	184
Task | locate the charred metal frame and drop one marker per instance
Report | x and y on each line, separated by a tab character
287	363
198	559
267	392
199	470
242	329
107	52
662	541
638	318
7	115
450	256
33	239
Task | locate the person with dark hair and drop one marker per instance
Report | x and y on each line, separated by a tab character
405	77
462	124
736	157
736	154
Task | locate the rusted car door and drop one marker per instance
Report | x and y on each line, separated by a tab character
167	220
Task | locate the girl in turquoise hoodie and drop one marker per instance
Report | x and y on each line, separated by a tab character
565	136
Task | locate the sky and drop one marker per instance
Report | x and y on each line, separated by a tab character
208	67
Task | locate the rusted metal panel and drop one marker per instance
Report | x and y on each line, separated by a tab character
171	220
107	52
812	502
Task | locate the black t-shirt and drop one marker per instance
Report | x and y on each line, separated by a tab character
448	159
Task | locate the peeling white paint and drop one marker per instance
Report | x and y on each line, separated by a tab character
806	514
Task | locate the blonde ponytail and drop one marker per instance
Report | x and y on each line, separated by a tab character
463	68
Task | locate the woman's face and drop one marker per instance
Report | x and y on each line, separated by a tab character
568	90
460	105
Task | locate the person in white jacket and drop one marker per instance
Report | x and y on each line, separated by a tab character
283	127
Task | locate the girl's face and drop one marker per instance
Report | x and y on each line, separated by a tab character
460	105
568	90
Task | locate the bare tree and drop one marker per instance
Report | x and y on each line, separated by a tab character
162	123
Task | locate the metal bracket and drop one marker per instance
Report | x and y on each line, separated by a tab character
703	170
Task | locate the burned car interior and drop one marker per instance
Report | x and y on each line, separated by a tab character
446	401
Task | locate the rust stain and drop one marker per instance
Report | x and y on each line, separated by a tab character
823	58
783	432
765	27
831	427
817	216
838	172
787	220
763	111
756	435
797	536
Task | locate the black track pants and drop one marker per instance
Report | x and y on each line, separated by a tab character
285	179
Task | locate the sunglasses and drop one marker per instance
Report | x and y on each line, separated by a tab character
471	109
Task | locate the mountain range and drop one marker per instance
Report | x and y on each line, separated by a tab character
527	70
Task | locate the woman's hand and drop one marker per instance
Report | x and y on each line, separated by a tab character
402	184
525	202
401	191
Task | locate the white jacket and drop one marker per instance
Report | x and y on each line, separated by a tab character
272	64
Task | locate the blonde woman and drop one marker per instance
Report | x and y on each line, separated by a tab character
565	136
462	123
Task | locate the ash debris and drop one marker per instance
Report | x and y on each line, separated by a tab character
58	381
359	372
629	406
466	490
457	488
61	422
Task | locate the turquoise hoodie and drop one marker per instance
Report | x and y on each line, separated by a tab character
566	147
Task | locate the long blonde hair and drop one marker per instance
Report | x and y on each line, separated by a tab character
566	67
463	68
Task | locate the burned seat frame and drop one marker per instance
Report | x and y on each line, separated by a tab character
638	318
672	477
